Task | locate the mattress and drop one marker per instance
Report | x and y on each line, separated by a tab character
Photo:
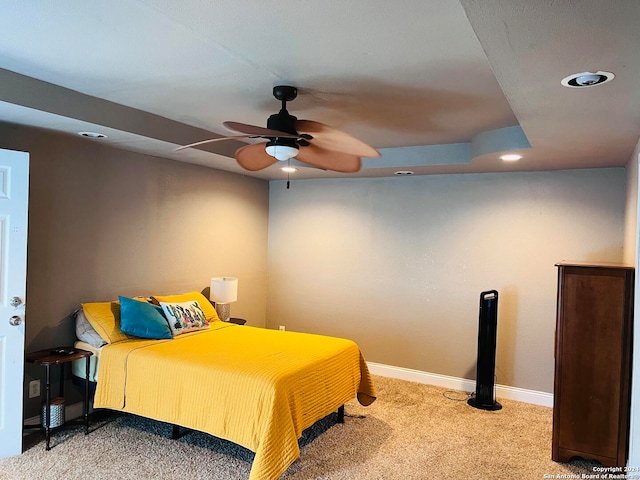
78	367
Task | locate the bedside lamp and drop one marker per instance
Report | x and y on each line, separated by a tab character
223	291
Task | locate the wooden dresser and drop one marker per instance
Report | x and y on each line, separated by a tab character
593	362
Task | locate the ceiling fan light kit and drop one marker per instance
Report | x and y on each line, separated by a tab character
281	152
287	137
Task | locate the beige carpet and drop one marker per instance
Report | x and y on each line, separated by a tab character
411	432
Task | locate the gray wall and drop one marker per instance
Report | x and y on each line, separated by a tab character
104	222
398	264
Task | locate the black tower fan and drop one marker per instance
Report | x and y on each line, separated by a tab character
485	373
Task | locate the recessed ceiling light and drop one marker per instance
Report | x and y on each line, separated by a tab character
587	79
403	172
92	134
511	157
289	169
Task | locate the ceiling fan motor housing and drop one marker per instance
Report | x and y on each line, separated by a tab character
288	142
283	122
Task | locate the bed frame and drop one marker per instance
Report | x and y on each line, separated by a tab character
177	431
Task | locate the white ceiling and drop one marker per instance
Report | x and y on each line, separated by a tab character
438	86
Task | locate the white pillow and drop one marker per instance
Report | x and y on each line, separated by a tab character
85	332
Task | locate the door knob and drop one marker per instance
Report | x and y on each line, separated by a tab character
15	320
15	301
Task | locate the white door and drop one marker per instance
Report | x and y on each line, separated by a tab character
14	194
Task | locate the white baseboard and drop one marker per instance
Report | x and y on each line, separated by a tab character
70	412
463	384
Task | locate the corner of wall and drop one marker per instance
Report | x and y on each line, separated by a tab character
631	209
631	257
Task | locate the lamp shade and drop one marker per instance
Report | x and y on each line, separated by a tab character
223	289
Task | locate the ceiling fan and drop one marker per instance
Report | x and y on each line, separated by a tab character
287	137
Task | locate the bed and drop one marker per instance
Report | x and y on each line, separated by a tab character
256	387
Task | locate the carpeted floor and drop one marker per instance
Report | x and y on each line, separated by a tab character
411	432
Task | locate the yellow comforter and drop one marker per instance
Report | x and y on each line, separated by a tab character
258	388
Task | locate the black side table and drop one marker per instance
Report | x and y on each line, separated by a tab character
237	321
60	356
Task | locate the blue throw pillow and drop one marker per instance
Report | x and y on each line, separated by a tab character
143	319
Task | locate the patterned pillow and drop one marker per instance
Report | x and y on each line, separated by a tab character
207	308
184	317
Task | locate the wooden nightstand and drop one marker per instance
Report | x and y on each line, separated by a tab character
237	321
60	356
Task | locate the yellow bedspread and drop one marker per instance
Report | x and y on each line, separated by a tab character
256	387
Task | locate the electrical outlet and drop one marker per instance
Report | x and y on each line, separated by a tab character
281	328
34	388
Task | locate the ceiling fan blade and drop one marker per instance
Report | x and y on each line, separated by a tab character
329	159
249	131
211	140
254	157
253	131
335	140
